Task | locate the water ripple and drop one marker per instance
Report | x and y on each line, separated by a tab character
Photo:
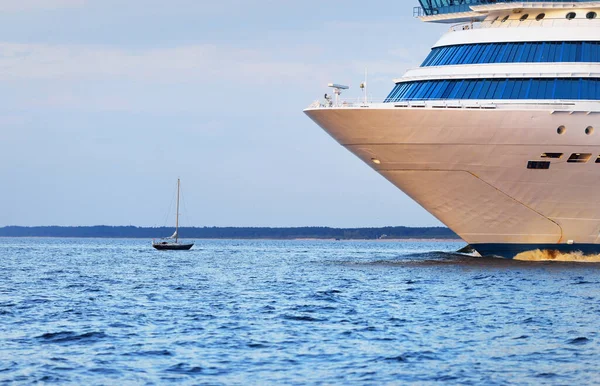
184	368
579	341
71	337
291	312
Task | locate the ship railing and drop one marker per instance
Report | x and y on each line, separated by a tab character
446	104
361	103
351	103
531	22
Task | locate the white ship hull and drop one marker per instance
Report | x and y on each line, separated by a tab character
497	133
468	167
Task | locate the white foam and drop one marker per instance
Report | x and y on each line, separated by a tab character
553	255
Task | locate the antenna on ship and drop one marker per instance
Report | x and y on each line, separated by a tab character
363	86
337	90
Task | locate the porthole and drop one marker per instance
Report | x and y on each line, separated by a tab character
591	15
505	19
571	15
495	19
540	16
589	130
561	130
524	17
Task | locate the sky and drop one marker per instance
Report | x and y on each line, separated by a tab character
105	103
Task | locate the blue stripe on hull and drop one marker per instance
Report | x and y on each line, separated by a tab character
509	251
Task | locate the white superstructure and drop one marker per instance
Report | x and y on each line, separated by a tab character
497	134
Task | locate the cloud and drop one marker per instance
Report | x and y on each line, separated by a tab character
176	78
32	5
185	78
187	63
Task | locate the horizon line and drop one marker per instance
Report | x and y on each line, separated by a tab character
215	226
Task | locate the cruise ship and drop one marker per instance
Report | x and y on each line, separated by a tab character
497	133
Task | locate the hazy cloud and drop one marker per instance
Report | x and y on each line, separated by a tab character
30	5
186	63
79	76
108	101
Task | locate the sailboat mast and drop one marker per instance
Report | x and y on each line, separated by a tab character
177	214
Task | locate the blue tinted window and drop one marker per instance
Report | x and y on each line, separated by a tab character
462	89
552	53
569	52
500	86
536	56
456	85
526	88
511	54
522	52
447	89
593	52
485	88
508	90
533	89
438	89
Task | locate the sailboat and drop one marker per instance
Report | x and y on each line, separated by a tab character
172	243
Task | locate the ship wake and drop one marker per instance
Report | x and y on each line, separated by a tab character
553	255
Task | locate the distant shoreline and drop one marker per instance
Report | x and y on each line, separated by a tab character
236	233
432	240
376	240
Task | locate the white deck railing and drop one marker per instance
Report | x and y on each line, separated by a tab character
357	102
557	105
529	23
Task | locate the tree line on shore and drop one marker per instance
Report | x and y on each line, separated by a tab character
103	231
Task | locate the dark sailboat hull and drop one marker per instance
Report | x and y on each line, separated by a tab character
173	247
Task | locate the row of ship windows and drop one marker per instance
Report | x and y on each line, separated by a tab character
526	88
520	52
541	16
574	158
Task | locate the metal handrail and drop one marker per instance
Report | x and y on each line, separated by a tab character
444	103
351	102
529	23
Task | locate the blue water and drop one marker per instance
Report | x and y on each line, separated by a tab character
291	312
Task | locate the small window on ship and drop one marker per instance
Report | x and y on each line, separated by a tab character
552	155
538	165
579	158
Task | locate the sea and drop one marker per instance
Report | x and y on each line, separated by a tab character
264	312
